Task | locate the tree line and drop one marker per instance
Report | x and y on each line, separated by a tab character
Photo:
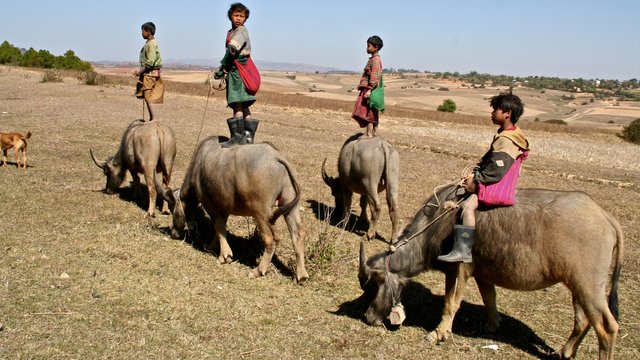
601	88
11	55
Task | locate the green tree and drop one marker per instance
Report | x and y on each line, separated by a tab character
447	106
9	54
70	61
46	59
30	59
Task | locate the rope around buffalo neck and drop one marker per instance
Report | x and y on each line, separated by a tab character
448	206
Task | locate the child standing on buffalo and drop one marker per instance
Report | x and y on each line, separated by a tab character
239	98
495	176
364	113
150	87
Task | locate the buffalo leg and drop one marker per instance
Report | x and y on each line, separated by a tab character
488	293
393	211
374	207
594	304
269	248
4	157
136	185
150	181
580	329
346	208
455	283
220	224
294	223
162	187
363	210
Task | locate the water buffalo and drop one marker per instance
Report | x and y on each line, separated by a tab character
241	180
547	237
146	148
366	167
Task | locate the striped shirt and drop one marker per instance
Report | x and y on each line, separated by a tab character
372	72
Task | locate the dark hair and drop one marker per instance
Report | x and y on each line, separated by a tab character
150	27
238	7
375	41
508	102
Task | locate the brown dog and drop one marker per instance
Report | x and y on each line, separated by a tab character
16	141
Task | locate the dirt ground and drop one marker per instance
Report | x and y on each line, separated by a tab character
420	92
85	275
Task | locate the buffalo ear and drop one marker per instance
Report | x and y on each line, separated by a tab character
168	196
378	276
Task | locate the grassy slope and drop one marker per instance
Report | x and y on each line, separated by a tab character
132	292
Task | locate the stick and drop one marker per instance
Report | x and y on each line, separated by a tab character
52	313
250	352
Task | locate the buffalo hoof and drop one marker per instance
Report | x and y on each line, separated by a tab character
490	328
149	215
558	355
225	259
437	337
255	273
300	280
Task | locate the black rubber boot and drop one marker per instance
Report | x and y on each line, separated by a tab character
236	128
250	127
463	237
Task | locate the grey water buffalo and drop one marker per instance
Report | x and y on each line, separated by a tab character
547	237
366	167
245	180
146	148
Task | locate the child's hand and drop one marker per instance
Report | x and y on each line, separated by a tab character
470	184
218	74
367	94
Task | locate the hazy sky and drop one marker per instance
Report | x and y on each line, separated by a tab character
581	38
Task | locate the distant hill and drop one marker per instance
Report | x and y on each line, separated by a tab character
208	64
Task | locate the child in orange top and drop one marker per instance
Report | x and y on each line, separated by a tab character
150	86
508	144
363	113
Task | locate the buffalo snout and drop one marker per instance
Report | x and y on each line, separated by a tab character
177	234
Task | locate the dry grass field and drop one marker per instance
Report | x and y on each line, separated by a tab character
84	274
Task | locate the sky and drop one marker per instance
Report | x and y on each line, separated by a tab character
561	38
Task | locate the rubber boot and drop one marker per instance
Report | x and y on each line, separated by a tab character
236	128
250	127
463	237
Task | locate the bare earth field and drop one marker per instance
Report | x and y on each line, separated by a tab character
418	91
85	275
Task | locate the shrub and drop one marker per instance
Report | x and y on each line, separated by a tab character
93	78
51	76
632	132
447	106
556	122
443	89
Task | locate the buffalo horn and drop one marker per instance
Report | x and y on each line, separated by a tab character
100	164
363	271
327	179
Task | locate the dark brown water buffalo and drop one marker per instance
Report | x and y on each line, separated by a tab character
146	148
547	237
366	167
242	180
